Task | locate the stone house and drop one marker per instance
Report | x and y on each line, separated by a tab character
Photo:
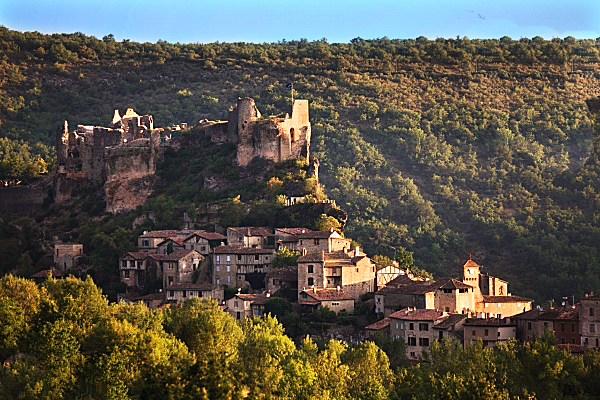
491	330
241	267
132	269
387	274
351	271
419	294
250	237
454	296
415	327
528	326
589	320
175	242
242	306
451	327
178	267
334	299
180	292
282	278
148	241
327	241
152	300
204	242
382	326
43	275
502	306
564	323
66	256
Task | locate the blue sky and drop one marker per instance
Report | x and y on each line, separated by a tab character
205	21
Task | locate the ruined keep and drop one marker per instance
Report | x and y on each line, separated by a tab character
122	156
275	138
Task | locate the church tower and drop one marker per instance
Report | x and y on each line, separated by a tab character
471	273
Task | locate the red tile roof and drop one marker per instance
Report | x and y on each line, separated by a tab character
506	299
569	314
471	264
328	294
208	235
135	255
452	284
175	256
43	274
192	286
379	325
254	298
417	314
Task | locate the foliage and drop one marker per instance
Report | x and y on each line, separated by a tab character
285	257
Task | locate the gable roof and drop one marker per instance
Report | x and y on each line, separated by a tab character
450	321
328	294
251	231
206	235
258	298
419	314
379	325
293	231
570	314
452	284
136	255
471	264
402	279
241	250
43	274
159	234
175	256
506	299
178	241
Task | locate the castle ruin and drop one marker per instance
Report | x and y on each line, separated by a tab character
276	138
122	156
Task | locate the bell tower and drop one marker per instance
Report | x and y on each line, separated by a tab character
471	273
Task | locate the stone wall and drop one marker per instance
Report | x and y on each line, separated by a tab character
23	198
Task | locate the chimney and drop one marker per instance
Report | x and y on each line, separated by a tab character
331	230
304	251
222	243
314	289
268	294
356	251
338	289
303	231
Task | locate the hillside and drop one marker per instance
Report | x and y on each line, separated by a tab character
445	147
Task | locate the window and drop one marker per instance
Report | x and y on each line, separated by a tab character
592	327
423	326
310	269
171	265
145	243
218	281
126	274
562	326
498	334
170	280
396	325
235	304
591	312
335	304
228	268
411	326
412	354
424	342
218	258
274	282
200	293
228	279
218	268
447	309
184	293
487	332
412	341
473	333
311	281
171	293
529	326
192	247
401	325
572	340
228	258
572	327
239	257
316	242
256	257
563	340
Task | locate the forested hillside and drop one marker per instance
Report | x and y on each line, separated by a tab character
445	147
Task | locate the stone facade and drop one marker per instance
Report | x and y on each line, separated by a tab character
180	292
67	255
589	320
242	306
491	330
334	299
178	267
415	327
241	267
351	271
250	237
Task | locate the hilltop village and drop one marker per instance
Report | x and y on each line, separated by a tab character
236	267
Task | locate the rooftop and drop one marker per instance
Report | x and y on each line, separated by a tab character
450	321
43	274
452	284
293	231
259	298
287	273
411	314
327	294
506	299
135	255
251	231
379	325
192	286
159	234
174	256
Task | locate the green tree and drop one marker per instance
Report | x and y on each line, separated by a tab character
285	257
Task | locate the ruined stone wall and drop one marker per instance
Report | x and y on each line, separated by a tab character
23	198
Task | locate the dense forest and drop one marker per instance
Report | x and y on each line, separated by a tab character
62	340
444	147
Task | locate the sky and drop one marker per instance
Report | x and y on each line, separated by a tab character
258	21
